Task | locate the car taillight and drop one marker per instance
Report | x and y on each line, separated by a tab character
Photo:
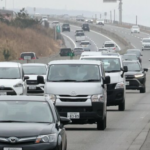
20	58
114	48
34	58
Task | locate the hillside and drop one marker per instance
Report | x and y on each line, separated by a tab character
17	40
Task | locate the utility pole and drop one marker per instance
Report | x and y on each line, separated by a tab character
120	11
136	20
110	17
100	16
114	15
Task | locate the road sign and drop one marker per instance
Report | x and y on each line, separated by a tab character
109	1
58	29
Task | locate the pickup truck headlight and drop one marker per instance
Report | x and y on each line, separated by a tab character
18	85
51	138
139	75
120	85
97	98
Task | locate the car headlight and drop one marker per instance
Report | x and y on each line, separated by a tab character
51	138
97	98
138	75
51	97
18	85
120	85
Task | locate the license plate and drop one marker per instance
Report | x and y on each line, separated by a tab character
32	87
12	148
73	115
27	57
3	93
127	83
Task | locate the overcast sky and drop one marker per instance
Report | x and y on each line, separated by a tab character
131	8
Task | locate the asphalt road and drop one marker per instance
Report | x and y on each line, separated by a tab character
125	130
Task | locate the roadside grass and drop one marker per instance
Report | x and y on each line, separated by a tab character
36	39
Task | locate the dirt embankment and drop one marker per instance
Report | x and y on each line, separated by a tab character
17	40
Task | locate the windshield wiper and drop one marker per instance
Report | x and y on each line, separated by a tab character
67	80
113	71
90	80
9	121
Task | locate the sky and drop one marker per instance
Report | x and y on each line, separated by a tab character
131	8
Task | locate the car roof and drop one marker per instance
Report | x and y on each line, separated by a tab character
34	64
10	64
146	39
102	56
131	61
74	62
109	42
85	41
133	50
27	52
78	48
24	98
130	54
91	53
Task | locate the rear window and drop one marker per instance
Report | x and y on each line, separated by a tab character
65	50
66	25
85	43
85	25
80	34
23	55
109	45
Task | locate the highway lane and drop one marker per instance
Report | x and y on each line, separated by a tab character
123	129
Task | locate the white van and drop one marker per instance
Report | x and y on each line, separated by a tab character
12	79
116	89
80	36
110	46
78	90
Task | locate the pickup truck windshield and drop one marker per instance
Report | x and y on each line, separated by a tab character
74	73
110	64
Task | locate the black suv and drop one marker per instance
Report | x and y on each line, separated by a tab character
65	27
65	51
86	27
136	76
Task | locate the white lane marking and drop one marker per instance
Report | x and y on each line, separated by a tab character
102	35
92	42
70	39
133	45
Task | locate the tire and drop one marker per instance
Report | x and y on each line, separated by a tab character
121	106
101	124
143	90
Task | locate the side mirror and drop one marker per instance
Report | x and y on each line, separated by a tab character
125	69
25	78
40	80
65	120
145	69
107	80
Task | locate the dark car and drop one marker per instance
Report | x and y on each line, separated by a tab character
136	76
86	27
65	51
130	57
65	27
28	56
31	123
137	52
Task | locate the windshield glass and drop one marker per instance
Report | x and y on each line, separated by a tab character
132	66
74	73
34	70
23	55
9	73
134	57
146	40
79	34
109	45
134	52
110	64
27	111
78	49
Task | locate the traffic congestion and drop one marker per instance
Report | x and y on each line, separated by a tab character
79	100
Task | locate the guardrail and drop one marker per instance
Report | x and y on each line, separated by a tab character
126	44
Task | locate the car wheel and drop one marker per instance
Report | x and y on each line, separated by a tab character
122	106
143	90
101	124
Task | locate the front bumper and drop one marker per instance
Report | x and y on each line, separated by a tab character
135	83
94	112
38	90
115	96
65	29
41	146
12	91
146	47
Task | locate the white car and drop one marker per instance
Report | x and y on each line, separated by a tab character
55	23
11	79
80	36
86	45
32	70
110	46
100	22
146	43
44	18
135	29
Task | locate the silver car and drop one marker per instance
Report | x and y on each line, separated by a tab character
78	51
86	45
